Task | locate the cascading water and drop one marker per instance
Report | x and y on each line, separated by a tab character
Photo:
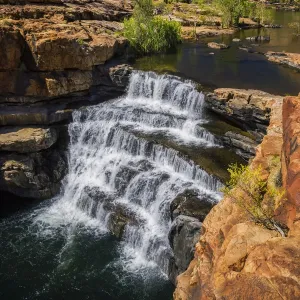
127	162
113	166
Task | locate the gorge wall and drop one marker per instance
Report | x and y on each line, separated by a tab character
55	56
238	259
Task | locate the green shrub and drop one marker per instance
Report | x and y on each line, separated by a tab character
248	189
151	35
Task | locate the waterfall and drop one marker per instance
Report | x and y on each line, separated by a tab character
114	165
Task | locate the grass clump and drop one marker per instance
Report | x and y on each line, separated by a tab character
80	42
295	26
248	190
148	34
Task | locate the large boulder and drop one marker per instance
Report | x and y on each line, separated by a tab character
190	203
26	139
183	236
35	175
188	210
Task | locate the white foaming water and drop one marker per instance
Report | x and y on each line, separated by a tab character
112	168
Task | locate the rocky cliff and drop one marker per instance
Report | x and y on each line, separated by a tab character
236	258
55	56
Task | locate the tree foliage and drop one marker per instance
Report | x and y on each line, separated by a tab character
149	34
231	10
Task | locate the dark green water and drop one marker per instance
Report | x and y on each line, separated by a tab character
235	68
76	263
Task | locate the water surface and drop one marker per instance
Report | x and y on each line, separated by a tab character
233	67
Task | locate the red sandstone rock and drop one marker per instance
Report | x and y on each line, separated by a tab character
237	259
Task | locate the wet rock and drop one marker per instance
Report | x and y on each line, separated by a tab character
28	139
35	175
117	223
30	87
243	145
119	218
183	236
247	49
272	26
258	38
220	46
284	58
123	177
120	75
36	115
236	40
190	203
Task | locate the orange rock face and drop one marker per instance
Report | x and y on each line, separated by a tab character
52	48
238	259
52	61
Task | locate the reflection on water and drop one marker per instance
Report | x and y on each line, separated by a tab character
234	67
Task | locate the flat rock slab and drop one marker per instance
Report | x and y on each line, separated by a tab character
220	46
28	139
285	58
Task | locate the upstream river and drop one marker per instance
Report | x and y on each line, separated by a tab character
125	155
234	67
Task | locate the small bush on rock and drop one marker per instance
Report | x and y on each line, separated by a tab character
248	189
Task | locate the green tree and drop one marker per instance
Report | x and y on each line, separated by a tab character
259	12
231	11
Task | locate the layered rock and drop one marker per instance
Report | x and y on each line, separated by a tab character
26	139
55	56
238	259
249	110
